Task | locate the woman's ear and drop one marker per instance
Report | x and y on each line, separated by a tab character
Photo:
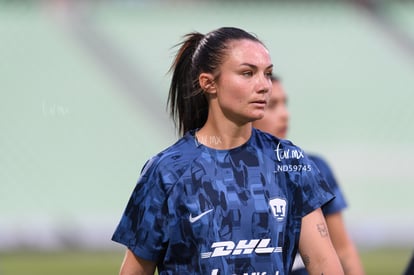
206	81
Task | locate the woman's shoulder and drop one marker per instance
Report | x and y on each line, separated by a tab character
319	161
273	140
178	153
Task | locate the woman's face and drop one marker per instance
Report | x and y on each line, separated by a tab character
276	118
243	87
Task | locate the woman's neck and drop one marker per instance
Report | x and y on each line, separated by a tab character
223	135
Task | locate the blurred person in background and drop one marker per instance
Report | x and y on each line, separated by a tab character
409	270
212	202
276	122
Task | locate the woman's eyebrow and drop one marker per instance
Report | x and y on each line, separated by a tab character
254	66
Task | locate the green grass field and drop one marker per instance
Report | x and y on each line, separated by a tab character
384	261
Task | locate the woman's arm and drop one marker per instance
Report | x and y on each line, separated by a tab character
133	265
316	248
344	246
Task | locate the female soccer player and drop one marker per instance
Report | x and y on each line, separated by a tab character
276	122
225	198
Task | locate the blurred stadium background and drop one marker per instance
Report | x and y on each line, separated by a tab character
83	95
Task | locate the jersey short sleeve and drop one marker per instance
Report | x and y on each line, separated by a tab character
142	224
339	203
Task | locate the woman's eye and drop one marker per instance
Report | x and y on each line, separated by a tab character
247	73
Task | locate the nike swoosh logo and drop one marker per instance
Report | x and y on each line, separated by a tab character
196	218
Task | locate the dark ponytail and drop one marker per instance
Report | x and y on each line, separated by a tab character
198	54
188	104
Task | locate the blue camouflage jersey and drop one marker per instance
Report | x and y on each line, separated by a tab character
198	210
334	206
